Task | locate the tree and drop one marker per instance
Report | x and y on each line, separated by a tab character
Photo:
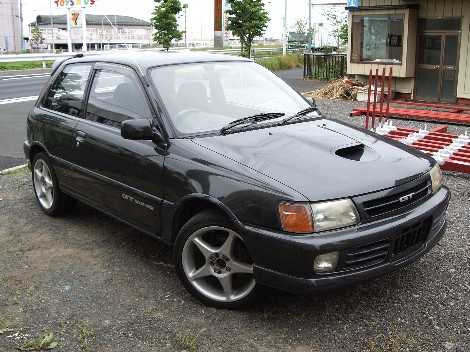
247	19
339	22
36	37
165	23
300	26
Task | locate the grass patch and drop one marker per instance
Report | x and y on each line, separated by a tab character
12	66
40	343
84	332
189	341
282	62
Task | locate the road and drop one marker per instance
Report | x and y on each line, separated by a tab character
18	93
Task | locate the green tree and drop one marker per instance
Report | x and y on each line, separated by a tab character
339	23
36	37
247	19
165	23
300	26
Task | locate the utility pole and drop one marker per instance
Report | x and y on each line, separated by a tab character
284	36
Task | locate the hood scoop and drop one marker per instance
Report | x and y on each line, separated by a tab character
356	152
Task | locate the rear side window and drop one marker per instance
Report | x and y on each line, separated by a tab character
66	93
114	98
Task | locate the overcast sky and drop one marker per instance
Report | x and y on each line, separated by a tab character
199	13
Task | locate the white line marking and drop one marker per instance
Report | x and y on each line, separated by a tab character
17	100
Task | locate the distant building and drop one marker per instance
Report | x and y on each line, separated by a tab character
10	24
103	32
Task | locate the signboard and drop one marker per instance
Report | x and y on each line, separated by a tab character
352	3
75	18
67	4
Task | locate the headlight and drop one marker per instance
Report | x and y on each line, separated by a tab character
436	178
334	214
316	217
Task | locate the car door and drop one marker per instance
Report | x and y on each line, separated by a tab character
58	113
121	177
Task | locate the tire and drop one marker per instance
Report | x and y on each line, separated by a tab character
46	187
213	262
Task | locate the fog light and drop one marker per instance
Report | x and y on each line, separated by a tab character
325	263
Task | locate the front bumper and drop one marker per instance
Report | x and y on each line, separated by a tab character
366	251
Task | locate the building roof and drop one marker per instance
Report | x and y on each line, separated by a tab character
116	20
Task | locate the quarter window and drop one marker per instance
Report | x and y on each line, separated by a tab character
377	38
66	94
115	98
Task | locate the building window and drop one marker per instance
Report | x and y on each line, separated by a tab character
377	38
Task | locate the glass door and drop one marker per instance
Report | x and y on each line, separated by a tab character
436	71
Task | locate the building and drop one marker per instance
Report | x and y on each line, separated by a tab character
425	42
10	24
103	32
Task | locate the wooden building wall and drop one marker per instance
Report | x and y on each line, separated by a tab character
404	73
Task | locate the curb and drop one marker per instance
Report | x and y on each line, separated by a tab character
13	169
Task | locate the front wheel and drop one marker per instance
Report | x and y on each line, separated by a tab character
213	262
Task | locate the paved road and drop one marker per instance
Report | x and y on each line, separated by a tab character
18	91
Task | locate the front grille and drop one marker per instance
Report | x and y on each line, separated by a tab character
366	255
376	207
411	237
378	252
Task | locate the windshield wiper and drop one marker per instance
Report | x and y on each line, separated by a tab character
252	119
299	114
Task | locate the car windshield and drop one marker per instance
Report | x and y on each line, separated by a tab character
203	97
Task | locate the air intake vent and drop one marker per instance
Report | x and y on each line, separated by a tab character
356	152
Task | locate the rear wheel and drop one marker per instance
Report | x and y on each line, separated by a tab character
46	187
213	262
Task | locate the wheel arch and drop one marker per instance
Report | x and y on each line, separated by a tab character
34	149
195	204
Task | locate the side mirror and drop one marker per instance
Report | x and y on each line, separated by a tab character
311	101
140	129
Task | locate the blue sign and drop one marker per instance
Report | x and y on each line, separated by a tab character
353	3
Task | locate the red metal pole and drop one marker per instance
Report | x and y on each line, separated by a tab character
387	111
382	92
376	82
368	99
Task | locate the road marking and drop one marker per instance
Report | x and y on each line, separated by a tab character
34	75
17	100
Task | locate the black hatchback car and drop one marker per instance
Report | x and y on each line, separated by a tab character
245	179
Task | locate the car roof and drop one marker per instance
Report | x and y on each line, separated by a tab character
146	59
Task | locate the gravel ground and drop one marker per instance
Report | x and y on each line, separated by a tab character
100	286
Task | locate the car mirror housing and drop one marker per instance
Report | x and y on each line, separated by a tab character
140	129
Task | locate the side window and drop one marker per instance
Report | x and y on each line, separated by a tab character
115	98
66	93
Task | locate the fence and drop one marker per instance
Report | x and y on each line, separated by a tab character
324	66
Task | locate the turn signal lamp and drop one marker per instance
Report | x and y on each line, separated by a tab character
296	217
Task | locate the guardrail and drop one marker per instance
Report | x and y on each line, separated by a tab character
49	56
40	57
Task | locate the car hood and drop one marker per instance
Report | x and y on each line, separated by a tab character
323	159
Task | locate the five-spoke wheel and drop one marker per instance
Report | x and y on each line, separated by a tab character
214	263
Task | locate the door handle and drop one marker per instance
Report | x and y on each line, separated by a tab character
80	137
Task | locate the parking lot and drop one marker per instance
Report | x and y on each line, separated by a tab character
98	285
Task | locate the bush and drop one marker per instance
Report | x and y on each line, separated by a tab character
282	62
24	65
